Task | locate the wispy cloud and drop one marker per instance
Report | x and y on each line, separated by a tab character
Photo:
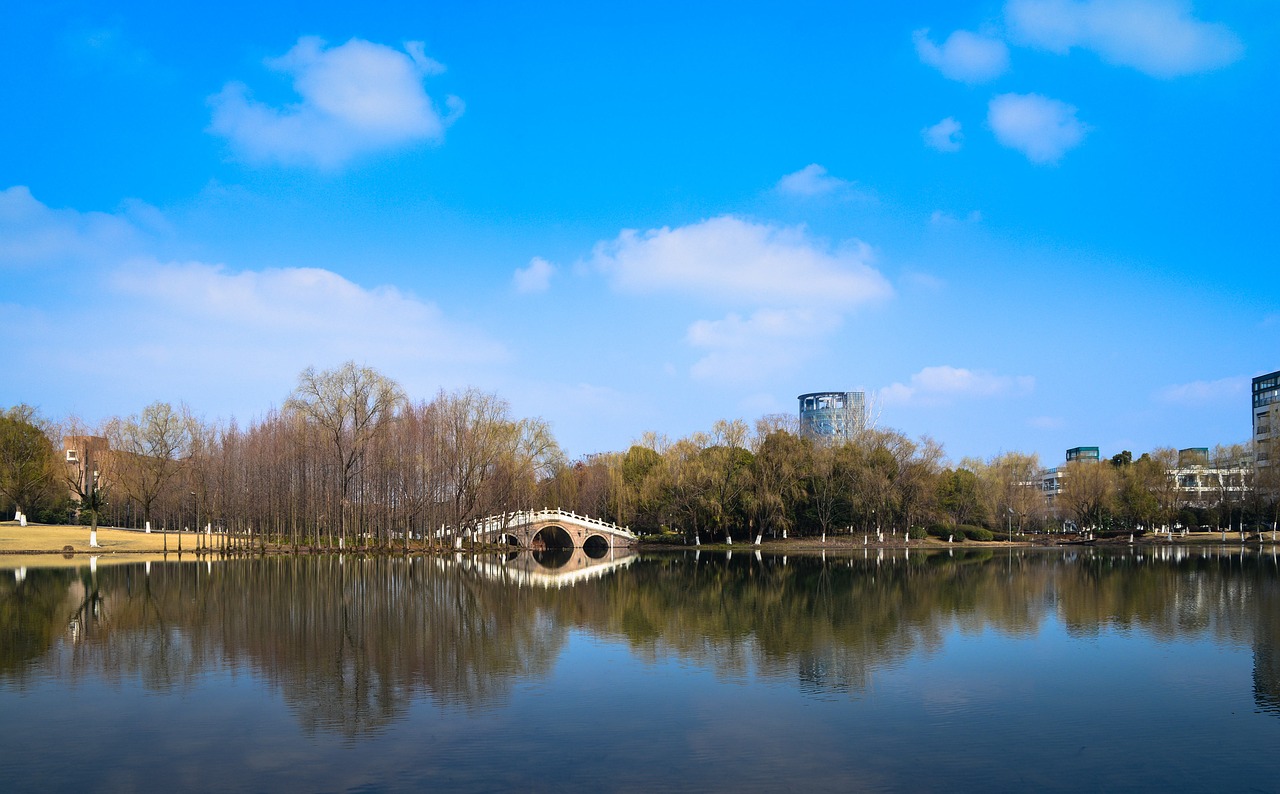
1158	37
534	278
945	384
944	219
1043	129
812	180
1205	392
964	56
356	98
945	136
739	349
1046	422
34	234
110	50
926	281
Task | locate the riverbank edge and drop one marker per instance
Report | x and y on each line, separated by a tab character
54	539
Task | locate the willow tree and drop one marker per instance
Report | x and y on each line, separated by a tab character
27	459
778	474
349	408
1010	485
726	472
1088	492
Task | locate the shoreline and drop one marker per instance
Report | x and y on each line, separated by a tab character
47	544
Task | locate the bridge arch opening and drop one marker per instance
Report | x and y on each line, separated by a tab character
551	537
595	547
509	539
552	546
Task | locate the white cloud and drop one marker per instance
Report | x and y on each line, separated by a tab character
1043	129
729	259
356	98
32	233
309	314
1202	392
812	180
760	346
945	219
1046	422
964	56
943	384
1158	37
206	328
945	136
925	281
788	292
536	277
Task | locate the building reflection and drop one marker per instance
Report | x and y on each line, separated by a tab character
350	643
1266	638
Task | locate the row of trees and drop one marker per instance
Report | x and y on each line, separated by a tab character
1127	495
350	456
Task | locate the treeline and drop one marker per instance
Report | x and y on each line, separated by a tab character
1126	495
731	483
350	456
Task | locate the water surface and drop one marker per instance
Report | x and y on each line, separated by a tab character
992	671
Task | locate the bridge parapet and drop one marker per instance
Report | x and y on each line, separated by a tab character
524	526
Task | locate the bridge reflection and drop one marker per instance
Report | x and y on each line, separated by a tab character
551	568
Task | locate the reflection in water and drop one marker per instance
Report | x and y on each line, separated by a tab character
550	568
1266	644
349	643
554	557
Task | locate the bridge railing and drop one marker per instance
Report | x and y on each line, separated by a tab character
505	521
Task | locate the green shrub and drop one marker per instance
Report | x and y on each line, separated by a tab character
951	532
941	531
917	533
664	538
975	533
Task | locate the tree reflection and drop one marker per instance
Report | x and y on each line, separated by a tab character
349	644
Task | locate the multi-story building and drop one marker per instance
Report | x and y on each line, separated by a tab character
86	459
1266	418
1051	479
1201	481
1082	453
833	415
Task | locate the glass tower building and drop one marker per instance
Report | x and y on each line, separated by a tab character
833	415
1266	417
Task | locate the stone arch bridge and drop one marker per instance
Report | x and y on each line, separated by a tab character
553	529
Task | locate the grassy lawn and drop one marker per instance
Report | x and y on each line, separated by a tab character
30	545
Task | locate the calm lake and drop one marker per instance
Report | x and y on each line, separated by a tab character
1156	669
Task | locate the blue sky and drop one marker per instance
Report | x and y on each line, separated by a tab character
1026	225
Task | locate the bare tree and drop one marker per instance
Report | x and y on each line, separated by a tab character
83	473
349	407
475	433
149	450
